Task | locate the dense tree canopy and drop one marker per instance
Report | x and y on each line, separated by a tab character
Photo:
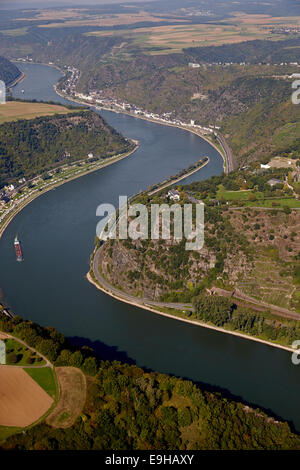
128	408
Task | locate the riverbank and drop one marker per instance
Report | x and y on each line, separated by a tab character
186	320
226	163
17	80
176	180
35	194
151	308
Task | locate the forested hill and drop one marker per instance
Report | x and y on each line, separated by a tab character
8	71
128	408
30	147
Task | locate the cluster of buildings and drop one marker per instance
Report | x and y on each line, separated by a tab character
72	76
9	191
286	30
173	195
97	98
195	65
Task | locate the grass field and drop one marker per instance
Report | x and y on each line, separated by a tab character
7	431
72	398
290	202
243	196
234	195
23	355
45	378
15	110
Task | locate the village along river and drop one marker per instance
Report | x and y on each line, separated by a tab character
57	232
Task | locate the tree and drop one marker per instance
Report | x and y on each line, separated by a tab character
76	359
89	366
12	358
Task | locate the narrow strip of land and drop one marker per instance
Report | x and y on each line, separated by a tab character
180	178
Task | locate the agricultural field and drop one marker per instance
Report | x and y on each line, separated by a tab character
74	17
16	110
14	32
23	401
45	378
174	38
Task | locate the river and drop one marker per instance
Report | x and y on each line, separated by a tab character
57	232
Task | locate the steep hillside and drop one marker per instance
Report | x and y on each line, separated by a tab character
8	71
246	247
30	147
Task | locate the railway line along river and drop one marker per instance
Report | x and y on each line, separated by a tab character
57	232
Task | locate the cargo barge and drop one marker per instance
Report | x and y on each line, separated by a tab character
18	250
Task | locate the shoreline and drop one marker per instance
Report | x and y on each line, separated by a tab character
155	121
186	320
88	276
17	80
34	196
183	177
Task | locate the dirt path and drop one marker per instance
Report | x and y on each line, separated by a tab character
31	366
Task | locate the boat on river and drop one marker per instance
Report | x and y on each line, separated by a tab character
18	249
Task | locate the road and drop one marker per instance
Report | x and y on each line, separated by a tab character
131	298
230	161
237	297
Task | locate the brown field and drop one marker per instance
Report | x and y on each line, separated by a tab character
174	38
72	385
282	162
108	20
61	14
22	400
14	110
267	19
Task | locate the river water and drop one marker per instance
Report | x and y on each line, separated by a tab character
57	232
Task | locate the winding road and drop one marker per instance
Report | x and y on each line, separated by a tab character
238	297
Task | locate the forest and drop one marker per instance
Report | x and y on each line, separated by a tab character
223	312
8	71
31	147
130	408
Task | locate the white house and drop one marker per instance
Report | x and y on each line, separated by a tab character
174	195
266	167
